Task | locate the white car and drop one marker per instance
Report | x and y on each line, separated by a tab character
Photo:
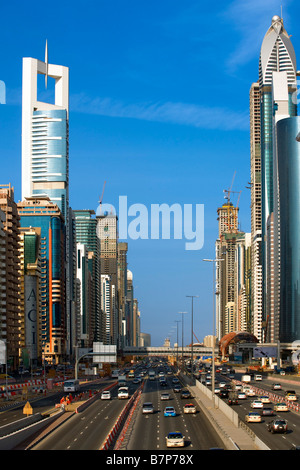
238	387
257	404
265	399
258	377
281	407
189	408
291	397
175	439
277	387
250	393
222	384
253	417
105	395
242	396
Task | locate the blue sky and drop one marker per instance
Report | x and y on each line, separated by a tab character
159	109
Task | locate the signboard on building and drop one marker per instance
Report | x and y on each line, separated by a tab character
31	299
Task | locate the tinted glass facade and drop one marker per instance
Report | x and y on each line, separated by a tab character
288	147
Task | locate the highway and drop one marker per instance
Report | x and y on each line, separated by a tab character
273	441
88	429
149	431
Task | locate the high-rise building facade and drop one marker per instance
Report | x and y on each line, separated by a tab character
31	332
107	231
287	216
256	214
45	135
274	92
277	55
10	276
40	212
86	234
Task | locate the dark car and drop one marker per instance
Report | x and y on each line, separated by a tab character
232	398
267	412
278	425
177	389
185	394
223	393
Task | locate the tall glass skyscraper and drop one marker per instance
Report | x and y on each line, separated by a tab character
288	215
277	56
45	135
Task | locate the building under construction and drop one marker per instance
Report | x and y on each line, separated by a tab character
233	273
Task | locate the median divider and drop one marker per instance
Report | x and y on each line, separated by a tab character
122	423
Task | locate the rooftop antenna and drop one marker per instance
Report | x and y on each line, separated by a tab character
46	62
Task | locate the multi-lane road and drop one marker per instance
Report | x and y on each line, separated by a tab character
273	441
88	429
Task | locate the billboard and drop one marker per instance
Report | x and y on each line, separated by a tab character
107	353
264	351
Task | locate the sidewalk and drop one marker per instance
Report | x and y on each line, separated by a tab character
234	438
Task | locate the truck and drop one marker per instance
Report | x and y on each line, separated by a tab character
121	380
246	378
232	398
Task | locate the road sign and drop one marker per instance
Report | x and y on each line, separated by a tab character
27	410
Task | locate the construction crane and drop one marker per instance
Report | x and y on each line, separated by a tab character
101	198
232	211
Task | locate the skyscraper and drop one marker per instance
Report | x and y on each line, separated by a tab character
45	135
277	59
42	213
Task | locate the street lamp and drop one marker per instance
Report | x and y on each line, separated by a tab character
192	332
213	336
182	313
177	321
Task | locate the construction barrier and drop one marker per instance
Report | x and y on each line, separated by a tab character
273	396
115	431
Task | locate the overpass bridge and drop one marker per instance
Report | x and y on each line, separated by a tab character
186	351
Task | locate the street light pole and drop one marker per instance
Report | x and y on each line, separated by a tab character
214	327
177	321
192	333
182	313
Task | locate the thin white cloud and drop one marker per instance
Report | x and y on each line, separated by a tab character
168	112
251	19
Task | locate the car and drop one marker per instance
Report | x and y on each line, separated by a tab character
165	396
147	408
185	394
257	404
238	386
253	417
105	395
222	384
242	396
177	389
250	392
290	395
175	439
276	387
217	390
169	411
265	399
281	406
267	412
223	393
258	377
189	408
278	425
163	383
208	382
175	380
